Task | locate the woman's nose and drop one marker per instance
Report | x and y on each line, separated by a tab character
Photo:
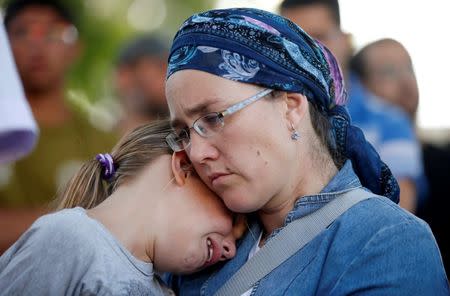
228	247
201	149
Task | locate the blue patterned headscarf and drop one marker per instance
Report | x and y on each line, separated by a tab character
258	47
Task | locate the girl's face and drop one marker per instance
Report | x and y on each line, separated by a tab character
249	162
199	231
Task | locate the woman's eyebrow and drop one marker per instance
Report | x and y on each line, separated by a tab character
203	107
200	108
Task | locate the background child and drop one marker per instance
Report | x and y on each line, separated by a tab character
122	216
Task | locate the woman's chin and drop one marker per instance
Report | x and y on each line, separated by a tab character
240	204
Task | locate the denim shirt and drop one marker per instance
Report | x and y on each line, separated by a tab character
375	248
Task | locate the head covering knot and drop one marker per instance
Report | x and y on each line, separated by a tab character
259	47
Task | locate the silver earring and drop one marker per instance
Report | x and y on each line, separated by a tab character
295	135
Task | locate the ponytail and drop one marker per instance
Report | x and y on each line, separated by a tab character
88	188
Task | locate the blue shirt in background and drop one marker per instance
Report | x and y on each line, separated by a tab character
390	132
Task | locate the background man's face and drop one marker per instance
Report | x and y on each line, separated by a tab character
390	75
318	22
150	77
43	46
140	86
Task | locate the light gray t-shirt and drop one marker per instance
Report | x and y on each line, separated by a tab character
69	253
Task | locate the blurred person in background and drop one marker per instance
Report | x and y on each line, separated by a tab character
139	81
44	42
435	208
386	69
385	126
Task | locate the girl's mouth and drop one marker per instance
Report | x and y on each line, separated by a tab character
214	253
210	250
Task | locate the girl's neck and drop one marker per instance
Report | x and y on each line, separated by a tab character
129	218
136	210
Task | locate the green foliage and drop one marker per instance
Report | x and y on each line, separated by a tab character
102	36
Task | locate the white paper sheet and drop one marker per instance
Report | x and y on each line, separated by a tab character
18	129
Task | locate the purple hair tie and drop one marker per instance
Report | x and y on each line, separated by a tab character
107	163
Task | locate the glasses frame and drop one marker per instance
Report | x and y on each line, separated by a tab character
57	33
173	139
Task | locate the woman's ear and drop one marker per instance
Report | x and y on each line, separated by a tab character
297	106
180	167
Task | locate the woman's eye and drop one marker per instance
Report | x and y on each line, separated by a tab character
211	119
202	129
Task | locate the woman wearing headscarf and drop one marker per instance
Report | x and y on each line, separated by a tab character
259	108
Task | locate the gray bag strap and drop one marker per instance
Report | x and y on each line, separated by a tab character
288	241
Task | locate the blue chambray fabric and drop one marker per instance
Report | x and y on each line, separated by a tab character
258	47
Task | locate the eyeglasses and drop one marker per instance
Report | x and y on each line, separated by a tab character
208	124
54	33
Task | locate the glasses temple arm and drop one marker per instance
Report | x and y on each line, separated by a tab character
238	106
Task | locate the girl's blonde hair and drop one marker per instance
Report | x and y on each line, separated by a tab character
88	188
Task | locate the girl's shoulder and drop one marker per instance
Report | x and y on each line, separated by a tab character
56	235
65	222
58	231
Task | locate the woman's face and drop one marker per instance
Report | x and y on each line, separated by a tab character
199	231
249	162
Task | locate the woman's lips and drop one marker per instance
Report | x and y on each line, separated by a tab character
217	178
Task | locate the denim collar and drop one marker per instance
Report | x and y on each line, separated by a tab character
343	181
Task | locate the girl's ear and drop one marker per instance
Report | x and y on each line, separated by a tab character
180	167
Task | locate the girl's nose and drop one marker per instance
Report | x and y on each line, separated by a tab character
228	247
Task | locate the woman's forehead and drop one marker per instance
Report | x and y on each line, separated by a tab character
193	92
194	81
201	81
189	93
